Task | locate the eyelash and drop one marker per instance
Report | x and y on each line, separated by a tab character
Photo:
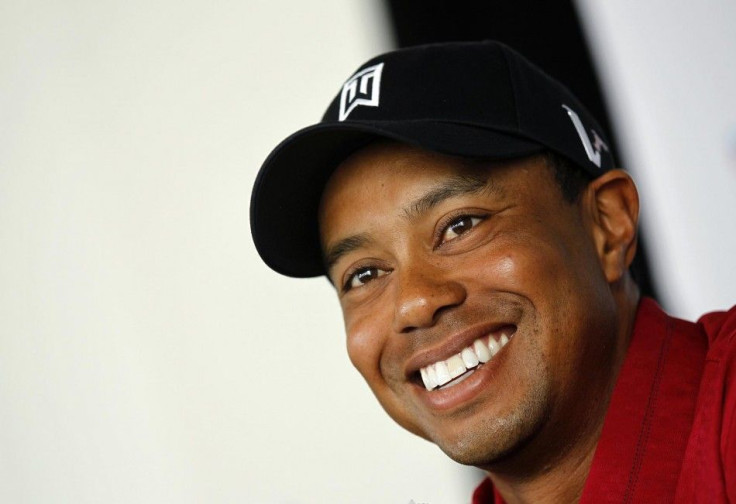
442	230
447	224
352	275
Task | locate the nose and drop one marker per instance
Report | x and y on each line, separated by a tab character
423	293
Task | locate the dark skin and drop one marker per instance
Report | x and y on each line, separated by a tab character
430	252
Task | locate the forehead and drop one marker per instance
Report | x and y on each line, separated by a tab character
385	169
398	182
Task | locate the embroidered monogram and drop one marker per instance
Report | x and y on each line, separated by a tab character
592	150
363	88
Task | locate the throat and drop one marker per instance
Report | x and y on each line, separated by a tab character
561	479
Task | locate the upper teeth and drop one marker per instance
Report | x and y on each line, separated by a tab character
481	351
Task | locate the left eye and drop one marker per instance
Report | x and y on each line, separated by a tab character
459	226
362	276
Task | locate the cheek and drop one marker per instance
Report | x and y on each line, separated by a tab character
532	266
507	269
365	341
368	341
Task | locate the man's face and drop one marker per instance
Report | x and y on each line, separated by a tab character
434	257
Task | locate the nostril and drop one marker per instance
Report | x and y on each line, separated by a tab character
443	309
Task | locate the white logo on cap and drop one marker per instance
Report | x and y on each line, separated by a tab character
593	150
363	88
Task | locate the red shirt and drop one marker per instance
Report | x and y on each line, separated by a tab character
670	431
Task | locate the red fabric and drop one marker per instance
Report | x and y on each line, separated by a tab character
670	431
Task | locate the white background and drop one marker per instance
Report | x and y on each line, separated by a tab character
146	355
668	67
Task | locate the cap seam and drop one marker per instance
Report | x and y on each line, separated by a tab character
512	82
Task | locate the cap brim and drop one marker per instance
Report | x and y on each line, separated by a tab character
287	192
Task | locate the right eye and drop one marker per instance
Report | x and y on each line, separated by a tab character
459	226
362	276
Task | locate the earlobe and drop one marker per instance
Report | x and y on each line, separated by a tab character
613	202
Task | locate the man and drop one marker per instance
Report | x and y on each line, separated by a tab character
467	210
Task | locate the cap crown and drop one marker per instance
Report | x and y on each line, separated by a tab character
472	99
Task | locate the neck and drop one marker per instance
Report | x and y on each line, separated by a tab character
562	480
557	470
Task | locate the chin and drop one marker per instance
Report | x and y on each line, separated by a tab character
495	439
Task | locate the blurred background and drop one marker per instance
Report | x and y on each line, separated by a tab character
147	355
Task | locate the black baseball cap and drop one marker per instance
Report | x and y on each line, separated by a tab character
470	99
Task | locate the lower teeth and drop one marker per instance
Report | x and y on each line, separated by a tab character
460	378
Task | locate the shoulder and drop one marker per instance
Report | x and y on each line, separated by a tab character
720	327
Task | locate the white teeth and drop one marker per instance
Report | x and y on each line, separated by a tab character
469	358
432	375
428	382
456	366
443	374
493	346
481	351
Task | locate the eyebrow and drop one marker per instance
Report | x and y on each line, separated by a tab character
457	185
451	187
344	246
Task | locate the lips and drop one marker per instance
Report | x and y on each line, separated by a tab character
454	369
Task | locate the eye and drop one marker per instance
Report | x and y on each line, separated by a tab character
458	226
362	276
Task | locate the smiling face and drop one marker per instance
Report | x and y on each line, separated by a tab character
475	300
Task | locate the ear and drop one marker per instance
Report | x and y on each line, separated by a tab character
612	202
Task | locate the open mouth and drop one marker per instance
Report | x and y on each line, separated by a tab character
453	370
